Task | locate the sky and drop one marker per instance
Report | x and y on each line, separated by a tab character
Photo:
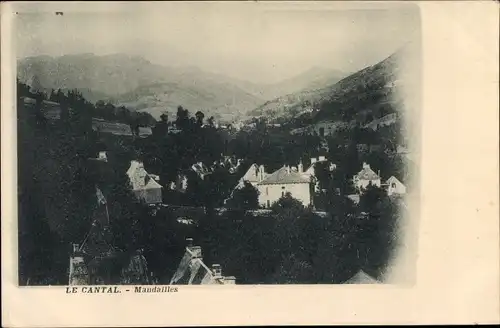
262	42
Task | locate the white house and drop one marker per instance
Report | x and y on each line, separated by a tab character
285	180
201	169
395	187
144	185
365	177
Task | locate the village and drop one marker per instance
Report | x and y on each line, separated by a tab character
296	181
301	181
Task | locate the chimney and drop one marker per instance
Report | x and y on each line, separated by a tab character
261	172
76	248
300	167
313	160
287	169
365	165
189	242
321	159
217	270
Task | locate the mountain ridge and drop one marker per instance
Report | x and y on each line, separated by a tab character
368	94
156	88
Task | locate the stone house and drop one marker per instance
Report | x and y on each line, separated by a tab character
285	180
144	185
395	187
366	177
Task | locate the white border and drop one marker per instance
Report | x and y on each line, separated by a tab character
458	266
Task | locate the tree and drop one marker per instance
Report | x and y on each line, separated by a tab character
370	197
182	120
199	118
287	206
293	270
245	198
211	121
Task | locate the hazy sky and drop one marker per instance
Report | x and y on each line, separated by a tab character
255	41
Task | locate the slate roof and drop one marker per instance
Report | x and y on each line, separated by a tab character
283	176
133	173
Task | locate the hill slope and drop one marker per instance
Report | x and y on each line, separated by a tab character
364	96
136	82
141	85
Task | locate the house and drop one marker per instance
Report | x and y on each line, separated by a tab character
193	271
102	156
229	162
173	129
395	187
120	129
201	170
96	261
51	110
144	185
381	122
180	183
366	177
285	180
254	175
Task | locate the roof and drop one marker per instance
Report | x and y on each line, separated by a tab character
285	176
367	174
252	174
362	278
136	270
133	171
97	242
393	179
151	183
193	271
200	168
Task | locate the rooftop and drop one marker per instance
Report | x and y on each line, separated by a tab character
367	173
285	175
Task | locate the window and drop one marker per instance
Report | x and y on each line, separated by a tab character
268	203
393	185
267	191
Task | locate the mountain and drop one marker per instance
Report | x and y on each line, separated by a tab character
367	95
137	83
96	74
314	78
